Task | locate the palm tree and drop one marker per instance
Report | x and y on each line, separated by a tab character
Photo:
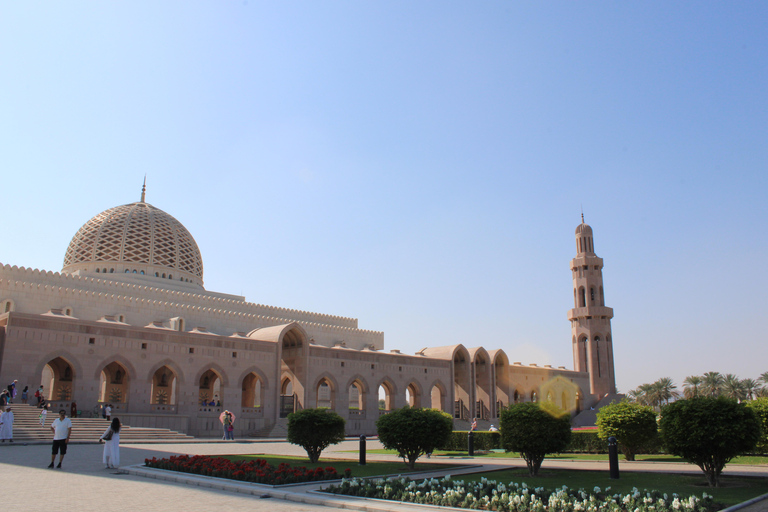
666	389
732	387
692	385
750	387
763	377
713	381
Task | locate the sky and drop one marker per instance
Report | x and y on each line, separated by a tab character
420	166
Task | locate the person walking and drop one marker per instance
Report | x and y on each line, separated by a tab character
25	394
43	415
108	411
228	423
6	425
474	425
111	440
62	430
39	395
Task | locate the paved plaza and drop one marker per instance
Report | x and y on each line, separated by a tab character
84	485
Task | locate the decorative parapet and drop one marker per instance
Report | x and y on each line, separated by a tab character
240	317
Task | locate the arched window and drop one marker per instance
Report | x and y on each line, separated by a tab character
592	295
582	297
597	352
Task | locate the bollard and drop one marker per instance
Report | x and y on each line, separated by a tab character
471	442
613	457
362	450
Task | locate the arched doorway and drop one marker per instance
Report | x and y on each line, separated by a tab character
58	380
163	396
501	375
482	385
209	389
252	392
325	394
386	393
437	397
357	398
413	395
461	382
114	386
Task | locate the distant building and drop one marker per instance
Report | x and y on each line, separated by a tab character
127	321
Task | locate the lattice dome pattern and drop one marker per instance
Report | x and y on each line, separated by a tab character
132	236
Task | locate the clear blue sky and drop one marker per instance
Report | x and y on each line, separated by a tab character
418	165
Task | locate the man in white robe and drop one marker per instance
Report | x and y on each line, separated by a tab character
6	425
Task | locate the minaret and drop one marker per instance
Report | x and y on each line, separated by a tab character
590	319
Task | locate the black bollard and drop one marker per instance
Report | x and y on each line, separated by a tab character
362	451
471	443
613	457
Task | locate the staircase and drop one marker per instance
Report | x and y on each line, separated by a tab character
27	429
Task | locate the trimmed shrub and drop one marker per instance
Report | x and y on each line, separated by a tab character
709	432
633	426
315	430
535	430
414	432
760	406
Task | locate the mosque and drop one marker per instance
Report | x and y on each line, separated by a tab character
128	322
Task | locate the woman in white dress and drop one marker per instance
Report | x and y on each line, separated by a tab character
6	425
111	438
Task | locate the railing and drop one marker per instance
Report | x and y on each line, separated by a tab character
166	408
382	412
357	413
212	409
254	411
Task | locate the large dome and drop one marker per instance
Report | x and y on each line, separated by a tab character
135	238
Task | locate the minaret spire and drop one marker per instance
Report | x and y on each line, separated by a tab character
590	318
144	189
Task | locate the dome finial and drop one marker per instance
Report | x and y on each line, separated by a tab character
582	213
144	189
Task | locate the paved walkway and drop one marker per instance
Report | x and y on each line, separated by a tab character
84	485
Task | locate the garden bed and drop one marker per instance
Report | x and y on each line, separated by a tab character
252	470
488	494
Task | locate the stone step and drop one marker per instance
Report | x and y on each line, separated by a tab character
27	428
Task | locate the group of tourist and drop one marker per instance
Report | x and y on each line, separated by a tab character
61	426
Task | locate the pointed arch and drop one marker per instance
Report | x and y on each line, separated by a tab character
438	395
171	365
77	368
216	368
115	358
414	390
259	373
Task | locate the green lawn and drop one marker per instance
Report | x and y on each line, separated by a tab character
747	459
372	468
733	490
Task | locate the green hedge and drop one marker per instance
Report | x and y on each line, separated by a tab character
581	442
588	442
484	441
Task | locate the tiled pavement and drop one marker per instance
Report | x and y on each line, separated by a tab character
84	485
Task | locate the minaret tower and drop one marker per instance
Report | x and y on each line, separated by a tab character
590	319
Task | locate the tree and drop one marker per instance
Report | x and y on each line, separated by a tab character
709	432
732	387
534	430
633	425
692	386
414	431
760	406
750	388
315	430
665	389
712	384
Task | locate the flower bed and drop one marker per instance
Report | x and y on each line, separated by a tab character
253	470
490	495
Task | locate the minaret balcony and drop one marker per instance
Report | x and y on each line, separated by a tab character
593	311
